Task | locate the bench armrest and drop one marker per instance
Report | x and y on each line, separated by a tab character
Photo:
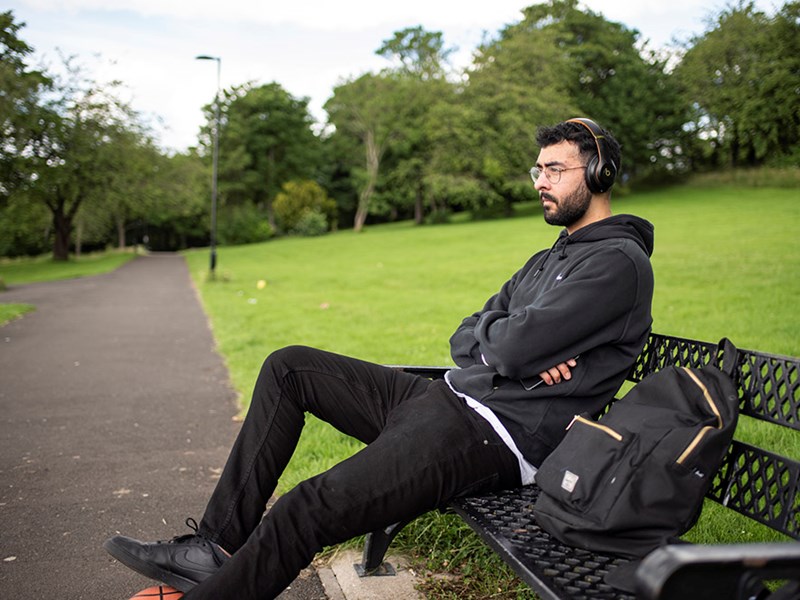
715	571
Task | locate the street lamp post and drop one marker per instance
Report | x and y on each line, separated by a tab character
215	161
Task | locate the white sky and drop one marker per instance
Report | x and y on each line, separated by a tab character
308	46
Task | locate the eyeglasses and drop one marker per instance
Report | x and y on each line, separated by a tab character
552	172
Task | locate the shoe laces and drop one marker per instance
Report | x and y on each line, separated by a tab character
188	537
192	524
199	539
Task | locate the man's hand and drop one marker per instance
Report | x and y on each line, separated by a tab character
562	371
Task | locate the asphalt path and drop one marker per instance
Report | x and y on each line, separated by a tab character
116	416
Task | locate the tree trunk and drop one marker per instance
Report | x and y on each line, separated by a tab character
734	156
62	227
121	233
78	239
363	208
269	196
364	198
508	208
419	214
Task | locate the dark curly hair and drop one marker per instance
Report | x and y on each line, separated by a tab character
579	135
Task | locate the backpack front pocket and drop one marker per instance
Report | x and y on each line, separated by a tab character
577	477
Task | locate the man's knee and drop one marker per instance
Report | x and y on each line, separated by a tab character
287	359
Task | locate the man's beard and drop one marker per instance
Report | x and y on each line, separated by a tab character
570	209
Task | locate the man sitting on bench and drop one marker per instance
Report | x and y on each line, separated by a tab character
558	339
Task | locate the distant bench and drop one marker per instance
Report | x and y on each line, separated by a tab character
753	481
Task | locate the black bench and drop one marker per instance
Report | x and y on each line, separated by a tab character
753	481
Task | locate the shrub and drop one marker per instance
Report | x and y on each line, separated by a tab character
242	225
304	208
311	223
460	192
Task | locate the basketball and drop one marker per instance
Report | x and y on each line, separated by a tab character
158	592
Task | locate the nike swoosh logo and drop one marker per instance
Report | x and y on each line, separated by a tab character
183	559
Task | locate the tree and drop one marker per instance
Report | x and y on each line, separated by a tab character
608	75
24	227
419	53
420	58
75	161
132	187
68	161
70	149
515	84
382	125
178	213
265	140
20	114
370	109
742	79
87	122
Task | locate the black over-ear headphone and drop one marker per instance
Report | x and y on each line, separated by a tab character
600	172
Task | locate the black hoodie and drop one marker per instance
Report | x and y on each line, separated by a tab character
589	297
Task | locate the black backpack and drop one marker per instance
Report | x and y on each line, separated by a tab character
636	478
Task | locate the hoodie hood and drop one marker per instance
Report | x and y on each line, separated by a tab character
628	227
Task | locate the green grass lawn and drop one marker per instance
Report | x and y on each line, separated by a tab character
43	268
726	264
31	270
9	312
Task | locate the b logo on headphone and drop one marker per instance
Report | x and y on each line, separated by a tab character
600	172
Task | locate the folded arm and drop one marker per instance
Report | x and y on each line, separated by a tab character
543	337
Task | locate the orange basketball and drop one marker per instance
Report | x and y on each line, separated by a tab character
158	592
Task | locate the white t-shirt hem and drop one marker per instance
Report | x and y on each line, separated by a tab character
527	471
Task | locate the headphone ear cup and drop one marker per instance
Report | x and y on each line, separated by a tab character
599	177
605	175
590	175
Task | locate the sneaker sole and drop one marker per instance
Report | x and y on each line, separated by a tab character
148	570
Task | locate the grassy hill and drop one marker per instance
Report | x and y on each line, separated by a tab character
726	264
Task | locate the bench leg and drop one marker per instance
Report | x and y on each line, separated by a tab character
375	546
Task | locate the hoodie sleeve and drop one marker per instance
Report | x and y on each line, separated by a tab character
464	348
590	307
463	345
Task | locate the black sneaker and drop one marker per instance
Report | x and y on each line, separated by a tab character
182	562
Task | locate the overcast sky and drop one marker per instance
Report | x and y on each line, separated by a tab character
308	46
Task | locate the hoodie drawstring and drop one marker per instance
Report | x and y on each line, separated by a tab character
562	240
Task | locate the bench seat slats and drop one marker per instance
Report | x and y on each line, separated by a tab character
505	522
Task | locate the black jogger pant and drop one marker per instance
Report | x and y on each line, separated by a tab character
424	447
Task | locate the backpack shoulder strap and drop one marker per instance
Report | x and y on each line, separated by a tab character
727	357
